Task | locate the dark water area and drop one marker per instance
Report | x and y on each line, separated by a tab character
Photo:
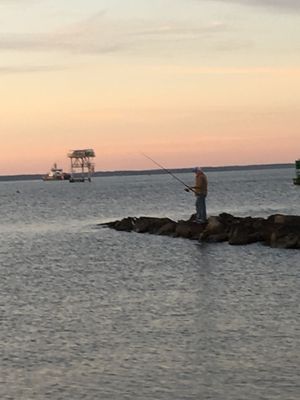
91	313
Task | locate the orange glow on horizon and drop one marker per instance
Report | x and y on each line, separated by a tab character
196	88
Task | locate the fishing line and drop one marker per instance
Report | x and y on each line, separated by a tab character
188	188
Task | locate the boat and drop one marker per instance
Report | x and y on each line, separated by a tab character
56	174
297	179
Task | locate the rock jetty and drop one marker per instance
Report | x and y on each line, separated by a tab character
278	231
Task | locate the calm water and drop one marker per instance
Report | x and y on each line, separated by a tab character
91	313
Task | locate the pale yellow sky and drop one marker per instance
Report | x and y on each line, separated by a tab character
209	82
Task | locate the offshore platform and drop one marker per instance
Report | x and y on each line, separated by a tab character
297	179
82	165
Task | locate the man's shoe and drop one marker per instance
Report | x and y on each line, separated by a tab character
201	221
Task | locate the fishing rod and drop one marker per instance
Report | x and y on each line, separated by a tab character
187	188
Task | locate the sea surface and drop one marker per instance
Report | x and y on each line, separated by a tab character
91	313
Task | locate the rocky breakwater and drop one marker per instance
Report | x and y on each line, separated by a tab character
281	231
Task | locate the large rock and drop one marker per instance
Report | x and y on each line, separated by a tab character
288	220
242	234
245	231
282	231
189	230
285	237
215	226
125	224
150	224
215	231
168	229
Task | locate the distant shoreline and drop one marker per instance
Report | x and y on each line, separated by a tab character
27	177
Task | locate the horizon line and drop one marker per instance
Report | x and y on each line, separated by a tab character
155	170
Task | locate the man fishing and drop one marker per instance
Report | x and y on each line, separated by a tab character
200	190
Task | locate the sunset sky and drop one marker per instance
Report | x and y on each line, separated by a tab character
189	82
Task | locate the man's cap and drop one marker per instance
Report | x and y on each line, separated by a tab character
197	169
